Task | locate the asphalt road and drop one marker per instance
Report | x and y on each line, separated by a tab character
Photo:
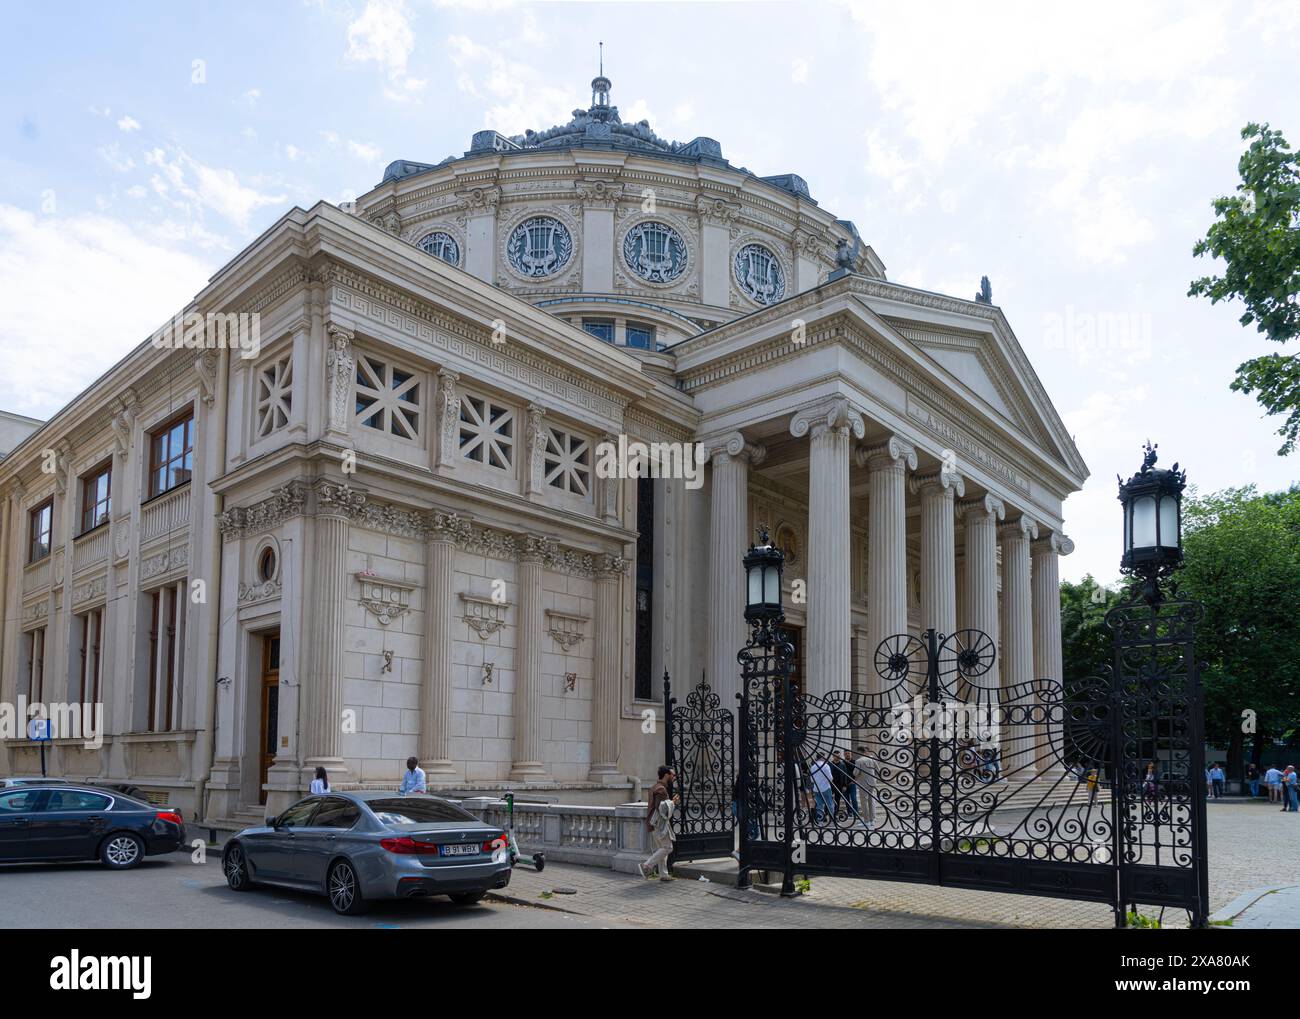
171	891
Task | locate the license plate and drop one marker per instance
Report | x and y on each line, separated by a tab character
468	849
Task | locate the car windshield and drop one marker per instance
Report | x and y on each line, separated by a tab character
409	810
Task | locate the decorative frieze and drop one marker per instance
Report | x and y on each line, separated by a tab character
96	587
166	561
287	501
264	591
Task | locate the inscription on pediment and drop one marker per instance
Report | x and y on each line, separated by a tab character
954	438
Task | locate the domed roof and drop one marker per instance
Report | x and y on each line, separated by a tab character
599	126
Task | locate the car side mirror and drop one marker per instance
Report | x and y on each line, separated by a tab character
270	822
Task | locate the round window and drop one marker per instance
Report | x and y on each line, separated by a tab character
266	565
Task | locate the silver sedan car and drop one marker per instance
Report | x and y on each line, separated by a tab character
359	846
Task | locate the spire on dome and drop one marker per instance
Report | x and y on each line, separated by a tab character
600	87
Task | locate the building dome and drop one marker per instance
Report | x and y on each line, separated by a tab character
641	240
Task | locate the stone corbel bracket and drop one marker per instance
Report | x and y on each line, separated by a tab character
566	628
483	615
382	598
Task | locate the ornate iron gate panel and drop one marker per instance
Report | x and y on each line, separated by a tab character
699	745
940	776
1161	753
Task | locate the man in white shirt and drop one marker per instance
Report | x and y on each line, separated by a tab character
823	794
413	780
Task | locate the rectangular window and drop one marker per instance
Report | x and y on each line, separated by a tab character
387	397
487	432
566	462
166	653
645	584
35	665
91	629
601	328
95	491
171	455
640	336
41	525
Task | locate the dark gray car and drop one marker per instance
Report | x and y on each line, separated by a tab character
359	846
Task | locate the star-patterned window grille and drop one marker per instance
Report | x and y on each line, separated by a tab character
566	462
387	398
487	432
274	395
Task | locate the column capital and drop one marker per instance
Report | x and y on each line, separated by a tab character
938	480
1052	542
894	452
835	413
987	505
336	500
440	525
1024	526
610	567
736	446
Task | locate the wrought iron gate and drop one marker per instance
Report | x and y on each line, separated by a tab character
937	775
699	745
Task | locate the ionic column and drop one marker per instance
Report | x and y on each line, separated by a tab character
335	506
980	517
828	427
528	666
1018	656
1045	577
729	537
887	465
605	669
938	548
439	646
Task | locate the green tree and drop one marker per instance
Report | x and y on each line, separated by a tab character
1086	645
1257	235
1242	561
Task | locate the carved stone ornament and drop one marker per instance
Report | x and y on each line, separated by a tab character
382	598
483	615
566	628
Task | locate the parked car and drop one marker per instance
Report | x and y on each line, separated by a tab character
73	822
122	788
355	847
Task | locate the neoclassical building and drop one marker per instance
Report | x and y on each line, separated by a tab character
383	530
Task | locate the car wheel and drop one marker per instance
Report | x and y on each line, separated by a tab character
345	890
236	868
121	851
467	898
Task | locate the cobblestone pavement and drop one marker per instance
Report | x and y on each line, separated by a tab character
1276	909
1251	845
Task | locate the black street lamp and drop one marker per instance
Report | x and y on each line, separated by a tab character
764	564
1153	523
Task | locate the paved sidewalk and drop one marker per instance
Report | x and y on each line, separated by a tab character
684	903
1263	908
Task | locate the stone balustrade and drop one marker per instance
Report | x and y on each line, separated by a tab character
167	513
613	837
90	549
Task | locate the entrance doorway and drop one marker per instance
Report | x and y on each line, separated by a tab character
270	730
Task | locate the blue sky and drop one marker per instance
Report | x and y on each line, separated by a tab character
1070	154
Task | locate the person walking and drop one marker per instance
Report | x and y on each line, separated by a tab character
865	766
823	784
659	823
1149	784
851	782
320	785
1092	786
1216	780
839	783
413	780
1209	784
1252	780
1290	790
1273	780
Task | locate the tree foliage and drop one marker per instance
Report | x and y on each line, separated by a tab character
1257	236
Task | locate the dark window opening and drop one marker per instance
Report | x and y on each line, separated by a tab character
645	583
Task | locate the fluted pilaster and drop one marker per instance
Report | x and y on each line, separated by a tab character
439	659
829	428
980	518
731	456
528	667
329	594
1018	656
887	466
938	548
605	680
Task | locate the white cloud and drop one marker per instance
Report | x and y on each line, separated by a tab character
116	158
799	71
383	34
363	151
518	96
128	124
252	96
196	188
81	292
